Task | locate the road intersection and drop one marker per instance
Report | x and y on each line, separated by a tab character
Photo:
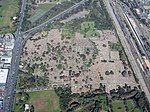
21	38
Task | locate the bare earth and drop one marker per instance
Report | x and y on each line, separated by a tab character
78	15
71	61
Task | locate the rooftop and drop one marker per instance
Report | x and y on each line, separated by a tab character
3	75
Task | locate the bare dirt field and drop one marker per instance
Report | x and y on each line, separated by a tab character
80	14
82	63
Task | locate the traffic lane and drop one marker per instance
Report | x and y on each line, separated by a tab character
55	17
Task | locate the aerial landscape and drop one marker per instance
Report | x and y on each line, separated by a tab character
74	55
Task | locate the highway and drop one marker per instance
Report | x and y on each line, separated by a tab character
127	49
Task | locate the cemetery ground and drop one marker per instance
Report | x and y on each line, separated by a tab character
83	60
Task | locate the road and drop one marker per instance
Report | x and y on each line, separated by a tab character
127	49
43	25
138	30
134	39
17	50
21	39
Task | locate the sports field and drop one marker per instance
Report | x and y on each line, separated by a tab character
44	101
8	9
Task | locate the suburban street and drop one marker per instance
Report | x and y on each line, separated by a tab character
127	49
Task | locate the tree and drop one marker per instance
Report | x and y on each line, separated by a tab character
111	72
124	73
107	73
32	108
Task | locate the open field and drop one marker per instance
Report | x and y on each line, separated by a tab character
48	1
44	101
81	14
88	29
8	9
118	106
103	101
66	33
130	105
40	10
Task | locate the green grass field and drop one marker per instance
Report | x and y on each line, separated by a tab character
136	110
103	102
82	110
8	9
66	33
44	101
39	11
118	106
37	15
42	9
88	29
87	25
115	46
130	105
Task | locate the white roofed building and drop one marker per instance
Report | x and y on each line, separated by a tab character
3	76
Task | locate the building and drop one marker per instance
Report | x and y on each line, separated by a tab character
3	76
27	107
1	104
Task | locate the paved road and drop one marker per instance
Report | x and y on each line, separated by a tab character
122	16
138	30
43	25
127	49
16	52
19	42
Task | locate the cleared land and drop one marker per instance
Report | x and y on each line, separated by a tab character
8	9
81	14
44	101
